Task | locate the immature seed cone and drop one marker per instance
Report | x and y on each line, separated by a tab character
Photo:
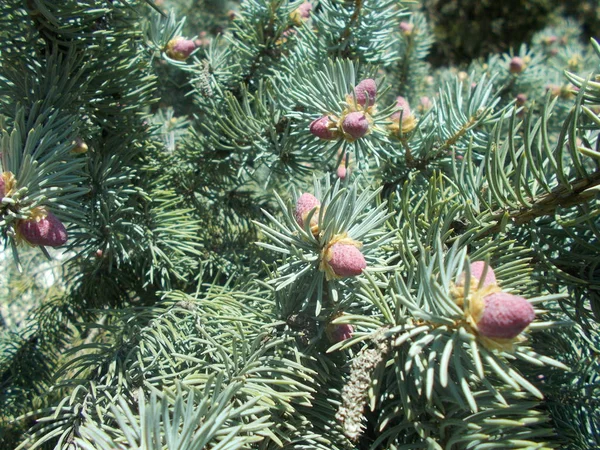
366	92
43	229
79	146
504	316
401	102
180	48
321	128
342	171
338	333
346	260
355	125
304	9
408	119
305	204
554	89
406	28
425	104
301	13
476	274
516	65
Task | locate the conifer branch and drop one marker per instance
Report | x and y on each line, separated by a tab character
579	192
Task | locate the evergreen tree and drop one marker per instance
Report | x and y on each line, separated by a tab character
273	224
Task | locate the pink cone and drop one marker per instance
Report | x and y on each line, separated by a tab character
505	316
304	10
305	204
48	231
401	102
366	88
355	124
180	48
342	172
346	260
319	128
425	103
477	271
516	65
406	27
339	333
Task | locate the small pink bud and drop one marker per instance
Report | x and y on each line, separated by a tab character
342	172
301	13
406	28
355	124
516	65
554	89
305	204
42	230
180	48
521	99
339	333
505	316
366	88
425	103
401	102
346	260
304	10
321	128
476	273
203	39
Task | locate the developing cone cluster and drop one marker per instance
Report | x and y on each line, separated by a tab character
341	257
496	315
356	120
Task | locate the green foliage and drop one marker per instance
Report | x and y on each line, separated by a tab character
193	307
